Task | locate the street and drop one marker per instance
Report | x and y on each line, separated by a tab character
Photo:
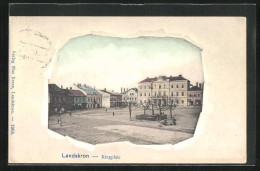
98	126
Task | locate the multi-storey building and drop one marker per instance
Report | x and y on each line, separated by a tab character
57	98
195	95
111	99
93	97
75	98
129	96
163	89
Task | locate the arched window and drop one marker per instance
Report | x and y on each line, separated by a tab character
182	93
177	93
171	93
182	101
190	95
177	86
172	86
182	86
177	101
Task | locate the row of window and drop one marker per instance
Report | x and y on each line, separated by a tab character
94	99
129	98
164	94
194	95
164	86
177	101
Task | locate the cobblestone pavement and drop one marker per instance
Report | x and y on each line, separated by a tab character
100	126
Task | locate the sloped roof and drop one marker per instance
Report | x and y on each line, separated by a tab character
87	89
180	77
195	88
135	89
53	88
109	92
73	92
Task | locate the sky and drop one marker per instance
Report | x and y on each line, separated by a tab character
112	62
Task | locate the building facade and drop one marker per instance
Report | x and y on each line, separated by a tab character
111	99
57	98
163	89
129	96
195	95
93	97
75	99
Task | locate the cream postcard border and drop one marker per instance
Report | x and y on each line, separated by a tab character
220	136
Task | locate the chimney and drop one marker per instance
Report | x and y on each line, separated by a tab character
85	85
124	89
70	88
67	88
61	87
121	89
94	88
200	85
170	76
105	89
197	84
180	75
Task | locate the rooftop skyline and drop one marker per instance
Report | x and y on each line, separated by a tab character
112	63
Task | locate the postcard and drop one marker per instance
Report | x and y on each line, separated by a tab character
169	90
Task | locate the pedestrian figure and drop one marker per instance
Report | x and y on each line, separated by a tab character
60	122
113	113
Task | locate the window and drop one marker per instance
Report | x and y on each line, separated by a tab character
149	94
144	94
164	93
177	86
182	93
182	101
190	95
145	101
140	101
198	95
182	86
159	93
172	86
177	101
140	94
171	93
177	93
159	86
144	87
164	86
155	93
195	95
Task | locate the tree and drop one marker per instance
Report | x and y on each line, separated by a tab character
145	106
172	104
130	109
